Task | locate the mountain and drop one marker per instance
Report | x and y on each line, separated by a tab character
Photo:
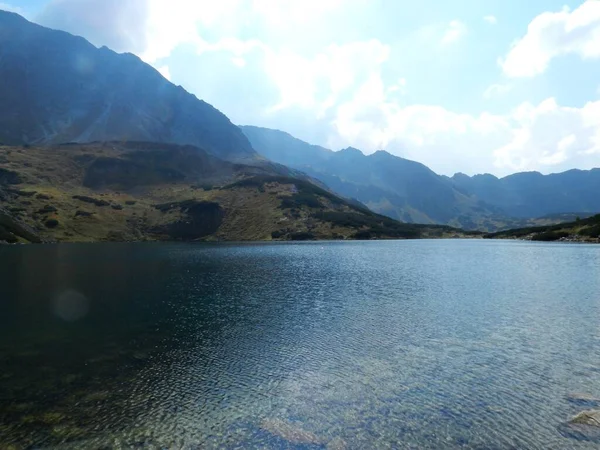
399	188
57	88
410	191
129	191
531	194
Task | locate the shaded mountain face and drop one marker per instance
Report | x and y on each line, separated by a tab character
57	88
399	188
531	194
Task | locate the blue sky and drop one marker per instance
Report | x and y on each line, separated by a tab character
460	85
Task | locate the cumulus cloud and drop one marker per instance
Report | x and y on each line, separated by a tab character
553	34
320	81
550	135
455	30
367	114
492	20
545	137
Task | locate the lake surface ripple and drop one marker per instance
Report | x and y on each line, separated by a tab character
338	345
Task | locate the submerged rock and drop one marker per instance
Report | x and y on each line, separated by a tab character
585	426
337	444
290	432
589	417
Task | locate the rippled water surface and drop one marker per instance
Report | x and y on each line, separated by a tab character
405	344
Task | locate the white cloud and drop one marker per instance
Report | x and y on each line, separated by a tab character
492	20
496	90
545	137
165	72
553	34
154	28
456	30
320	81
171	23
280	12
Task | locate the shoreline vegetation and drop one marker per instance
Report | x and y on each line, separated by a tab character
581	230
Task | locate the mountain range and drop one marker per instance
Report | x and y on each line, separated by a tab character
409	191
131	132
100	146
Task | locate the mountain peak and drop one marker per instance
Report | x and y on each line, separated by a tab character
384	154
9	15
81	93
351	151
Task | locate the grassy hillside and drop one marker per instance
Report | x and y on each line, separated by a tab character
582	230
143	191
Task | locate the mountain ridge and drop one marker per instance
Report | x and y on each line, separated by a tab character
57	87
410	191
400	188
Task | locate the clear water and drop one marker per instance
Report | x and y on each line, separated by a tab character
407	344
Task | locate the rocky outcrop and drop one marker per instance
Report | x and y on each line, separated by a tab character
200	219
9	177
93	201
11	229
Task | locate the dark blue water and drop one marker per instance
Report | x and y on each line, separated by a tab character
407	344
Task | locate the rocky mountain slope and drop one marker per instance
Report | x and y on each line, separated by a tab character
57	88
397	187
129	191
411	192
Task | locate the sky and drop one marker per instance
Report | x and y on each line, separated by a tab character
472	86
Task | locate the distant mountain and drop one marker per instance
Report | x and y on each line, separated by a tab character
409	191
57	88
531	194
397	187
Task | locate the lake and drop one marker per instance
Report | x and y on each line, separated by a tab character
432	344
